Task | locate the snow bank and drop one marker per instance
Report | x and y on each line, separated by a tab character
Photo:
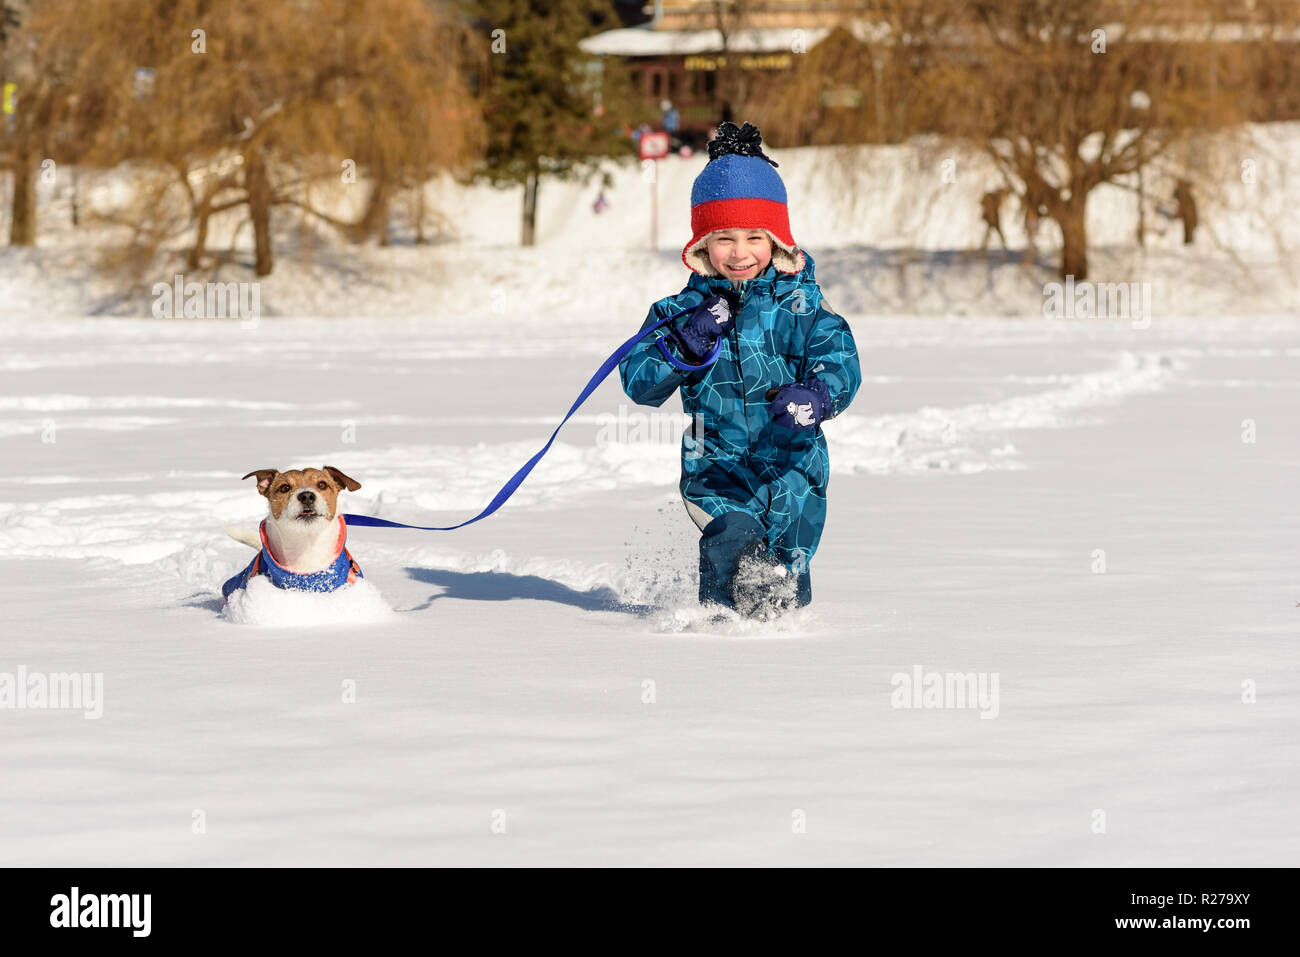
263	605
890	231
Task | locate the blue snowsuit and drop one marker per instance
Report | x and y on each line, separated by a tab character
749	483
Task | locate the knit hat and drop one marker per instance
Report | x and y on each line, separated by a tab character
739	188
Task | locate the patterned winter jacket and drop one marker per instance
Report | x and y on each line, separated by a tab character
783	333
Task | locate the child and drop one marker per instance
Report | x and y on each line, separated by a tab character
754	465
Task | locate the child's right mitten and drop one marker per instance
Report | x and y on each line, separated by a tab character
711	319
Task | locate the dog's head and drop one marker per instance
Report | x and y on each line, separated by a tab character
303	495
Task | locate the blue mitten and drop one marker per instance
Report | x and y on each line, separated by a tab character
802	405
711	319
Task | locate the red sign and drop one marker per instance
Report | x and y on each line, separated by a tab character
654	146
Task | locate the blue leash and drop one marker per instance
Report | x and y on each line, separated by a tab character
518	478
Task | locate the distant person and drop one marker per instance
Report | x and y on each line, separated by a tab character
991	206
601	204
1034	210
1031	222
1186	210
672	123
672	120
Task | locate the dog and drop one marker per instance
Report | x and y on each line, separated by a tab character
302	543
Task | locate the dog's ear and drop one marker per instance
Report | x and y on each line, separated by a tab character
264	477
350	484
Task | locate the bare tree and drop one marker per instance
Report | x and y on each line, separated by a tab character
872	79
1065	95
1062	95
247	104
16	68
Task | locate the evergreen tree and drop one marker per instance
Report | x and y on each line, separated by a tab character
548	108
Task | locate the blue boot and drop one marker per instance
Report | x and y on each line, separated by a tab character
724	542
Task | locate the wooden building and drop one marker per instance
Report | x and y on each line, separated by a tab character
701	56
711	59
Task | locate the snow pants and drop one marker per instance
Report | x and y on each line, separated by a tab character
758	513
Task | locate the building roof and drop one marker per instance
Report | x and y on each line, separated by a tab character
643	40
640	41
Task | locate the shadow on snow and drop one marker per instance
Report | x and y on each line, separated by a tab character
504	586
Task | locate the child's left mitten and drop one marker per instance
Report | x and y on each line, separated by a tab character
801	405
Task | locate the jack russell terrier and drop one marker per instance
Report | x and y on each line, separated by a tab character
302	543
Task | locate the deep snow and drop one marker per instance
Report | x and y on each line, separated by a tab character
982	464
540	688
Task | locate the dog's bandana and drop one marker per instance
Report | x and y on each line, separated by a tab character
342	571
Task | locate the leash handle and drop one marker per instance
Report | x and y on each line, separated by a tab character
517	479
710	357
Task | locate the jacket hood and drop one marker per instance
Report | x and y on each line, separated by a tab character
772	278
786	254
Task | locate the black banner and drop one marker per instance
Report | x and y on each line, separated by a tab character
1160	907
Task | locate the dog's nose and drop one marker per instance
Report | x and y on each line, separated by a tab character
307	498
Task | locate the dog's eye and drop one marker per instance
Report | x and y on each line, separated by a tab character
321	485
283	488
